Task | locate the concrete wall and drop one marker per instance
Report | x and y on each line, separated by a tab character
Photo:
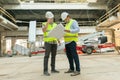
117	33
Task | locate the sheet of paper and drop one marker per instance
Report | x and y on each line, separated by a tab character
57	32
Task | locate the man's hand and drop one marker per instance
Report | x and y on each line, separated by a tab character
67	31
46	26
59	43
49	21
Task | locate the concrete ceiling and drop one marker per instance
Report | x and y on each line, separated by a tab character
79	14
39	14
87	14
53	1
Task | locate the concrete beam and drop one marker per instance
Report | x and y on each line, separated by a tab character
11	1
30	16
15	33
52	6
7	24
39	32
1	29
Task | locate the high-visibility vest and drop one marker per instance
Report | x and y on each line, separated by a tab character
68	37
46	37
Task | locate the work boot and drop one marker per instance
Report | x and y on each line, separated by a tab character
54	71
46	74
69	71
75	73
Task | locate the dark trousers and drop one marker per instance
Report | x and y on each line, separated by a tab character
72	55
50	48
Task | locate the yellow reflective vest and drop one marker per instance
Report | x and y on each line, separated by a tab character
46	37
68	37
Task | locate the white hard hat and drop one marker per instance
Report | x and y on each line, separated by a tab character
49	14
64	15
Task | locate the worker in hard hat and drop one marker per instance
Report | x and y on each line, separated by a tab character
70	38
50	43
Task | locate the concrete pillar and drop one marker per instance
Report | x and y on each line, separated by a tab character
118	15
13	41
0	47
3	45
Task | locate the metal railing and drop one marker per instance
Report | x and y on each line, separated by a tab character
6	14
109	14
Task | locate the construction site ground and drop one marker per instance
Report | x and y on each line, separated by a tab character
98	66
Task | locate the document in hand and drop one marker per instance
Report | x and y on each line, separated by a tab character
57	32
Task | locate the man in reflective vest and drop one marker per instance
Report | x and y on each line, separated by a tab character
50	43
70	38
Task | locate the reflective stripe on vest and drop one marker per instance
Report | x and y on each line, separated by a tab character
68	37
50	27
